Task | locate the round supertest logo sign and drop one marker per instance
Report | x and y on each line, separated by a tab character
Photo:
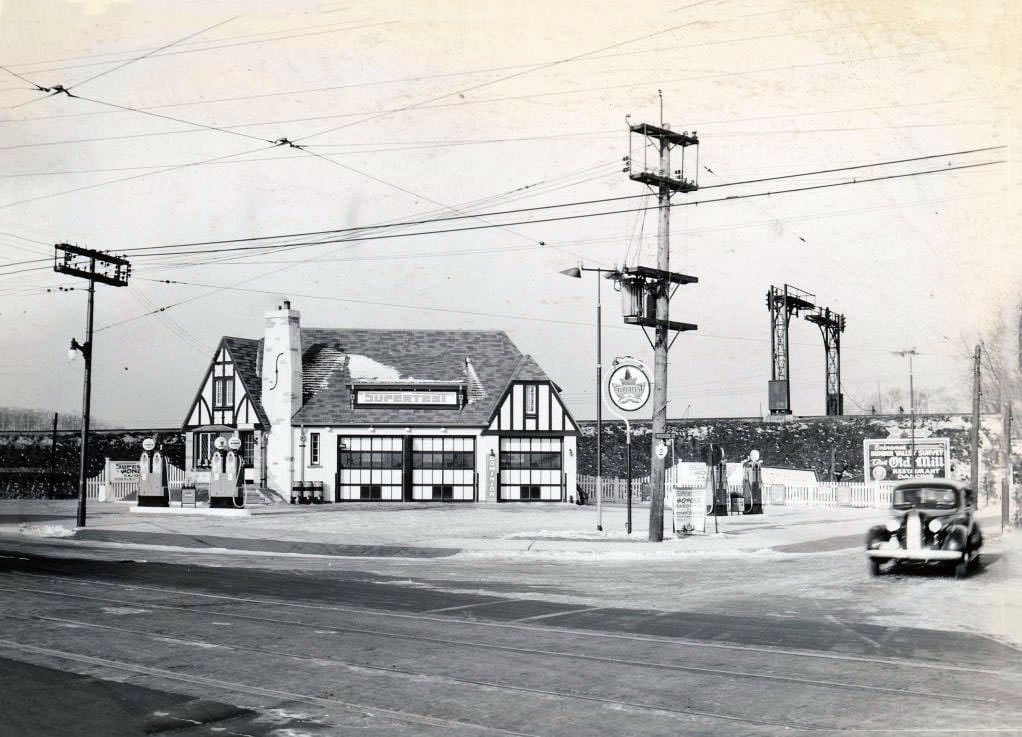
628	387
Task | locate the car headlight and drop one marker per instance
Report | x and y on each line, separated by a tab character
936	525
893	525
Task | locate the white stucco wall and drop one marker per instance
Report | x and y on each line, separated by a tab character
281	394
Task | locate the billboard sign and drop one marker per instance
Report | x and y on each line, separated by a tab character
890	459
120	471
689	510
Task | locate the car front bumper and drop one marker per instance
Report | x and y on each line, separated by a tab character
921	554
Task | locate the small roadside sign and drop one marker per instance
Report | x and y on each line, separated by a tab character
661	450
188	496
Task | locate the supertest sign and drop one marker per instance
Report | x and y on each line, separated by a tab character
890	459
391	397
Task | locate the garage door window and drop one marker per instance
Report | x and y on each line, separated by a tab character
530	469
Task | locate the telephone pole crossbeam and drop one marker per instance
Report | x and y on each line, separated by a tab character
95	266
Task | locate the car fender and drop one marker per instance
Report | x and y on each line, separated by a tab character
877	533
956	538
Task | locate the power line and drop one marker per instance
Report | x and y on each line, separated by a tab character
696	124
140	250
483	70
597	201
222	287
212	47
150	53
141	111
607	212
504	78
130	178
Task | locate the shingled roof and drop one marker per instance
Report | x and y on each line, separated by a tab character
338	358
247	355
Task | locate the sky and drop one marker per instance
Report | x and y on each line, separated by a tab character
414	111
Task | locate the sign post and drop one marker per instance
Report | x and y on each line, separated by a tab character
628	388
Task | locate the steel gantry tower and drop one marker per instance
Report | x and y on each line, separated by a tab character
831	326
783	303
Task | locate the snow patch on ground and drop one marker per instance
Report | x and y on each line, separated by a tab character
192	643
120	610
667	550
45	531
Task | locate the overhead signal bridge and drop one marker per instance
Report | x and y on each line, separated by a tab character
783	302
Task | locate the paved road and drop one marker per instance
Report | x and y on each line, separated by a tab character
246	651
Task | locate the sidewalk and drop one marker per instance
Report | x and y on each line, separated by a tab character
444	530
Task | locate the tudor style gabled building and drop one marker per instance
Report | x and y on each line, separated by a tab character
386	415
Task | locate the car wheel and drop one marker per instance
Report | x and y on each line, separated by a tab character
874	567
962	568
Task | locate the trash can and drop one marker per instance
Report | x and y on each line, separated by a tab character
737	503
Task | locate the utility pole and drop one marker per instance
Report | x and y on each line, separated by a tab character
651	289
52	491
95	266
974	435
911	407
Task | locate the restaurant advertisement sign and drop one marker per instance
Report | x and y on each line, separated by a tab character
689	510
890	459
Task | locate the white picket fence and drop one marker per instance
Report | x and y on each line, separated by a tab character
120	490
614	490
824	494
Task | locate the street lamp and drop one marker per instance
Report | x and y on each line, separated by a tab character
576	273
911	405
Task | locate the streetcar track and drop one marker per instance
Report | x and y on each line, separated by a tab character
394	670
789	652
245	688
607	660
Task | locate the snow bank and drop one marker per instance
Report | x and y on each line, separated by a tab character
46	531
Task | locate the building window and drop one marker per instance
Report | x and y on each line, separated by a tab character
223	392
530	400
248	447
314	449
369	468
530	469
443	469
202	449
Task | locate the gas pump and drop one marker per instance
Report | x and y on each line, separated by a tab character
752	483
717	476
226	475
152	487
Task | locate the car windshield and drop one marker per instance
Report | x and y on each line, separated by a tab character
925	497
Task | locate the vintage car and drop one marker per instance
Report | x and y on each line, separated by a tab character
933	521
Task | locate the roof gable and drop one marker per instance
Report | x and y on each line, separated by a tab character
246	354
